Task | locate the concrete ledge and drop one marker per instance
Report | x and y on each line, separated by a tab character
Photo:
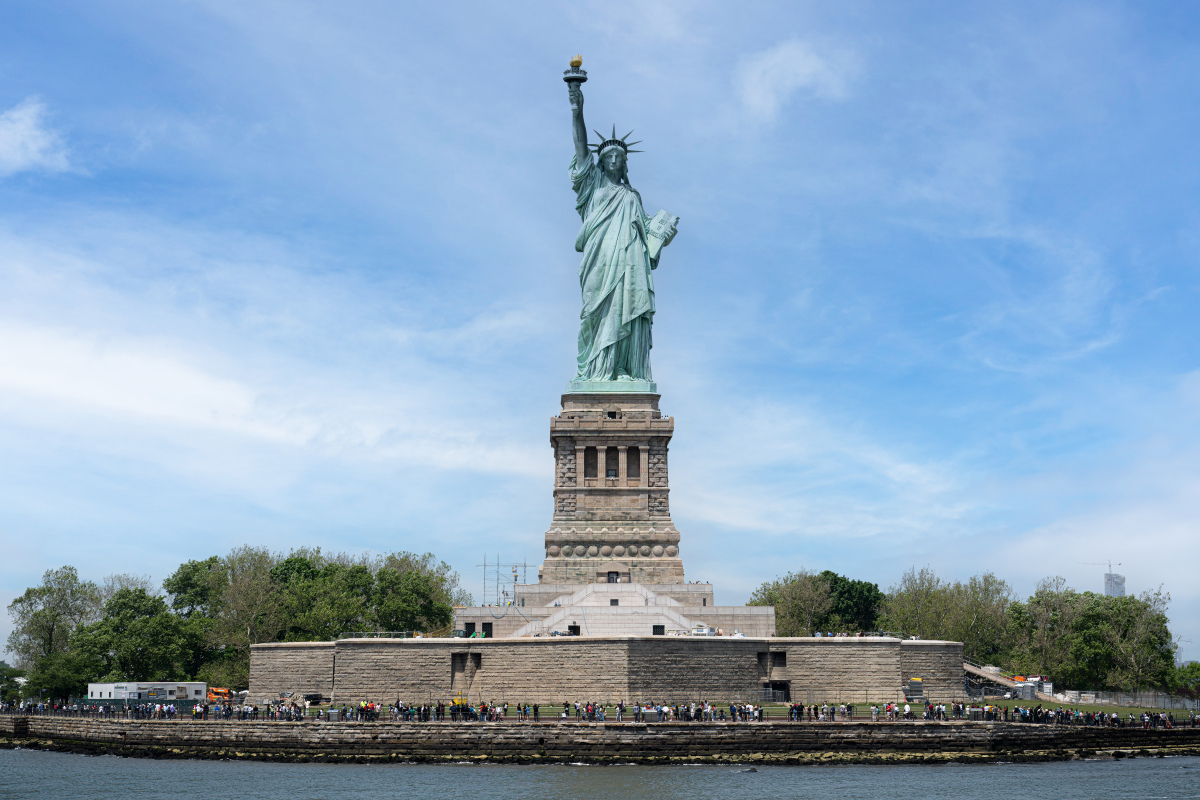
777	742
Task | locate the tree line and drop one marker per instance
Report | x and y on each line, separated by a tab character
200	625
1081	640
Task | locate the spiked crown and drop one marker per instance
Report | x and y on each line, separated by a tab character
613	141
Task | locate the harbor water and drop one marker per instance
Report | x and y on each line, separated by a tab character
35	773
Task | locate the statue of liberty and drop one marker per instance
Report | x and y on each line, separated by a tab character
621	245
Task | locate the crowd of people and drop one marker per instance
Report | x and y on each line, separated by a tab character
580	711
131	711
1076	716
284	712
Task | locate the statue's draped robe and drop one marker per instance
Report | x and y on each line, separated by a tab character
618	289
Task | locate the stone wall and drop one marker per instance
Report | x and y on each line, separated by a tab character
928	661
848	669
658	464
498	669
671	669
572	741
300	667
566	472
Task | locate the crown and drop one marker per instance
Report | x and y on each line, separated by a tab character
613	141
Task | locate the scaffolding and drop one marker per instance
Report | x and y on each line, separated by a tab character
496	589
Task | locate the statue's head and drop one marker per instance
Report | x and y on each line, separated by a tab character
613	162
612	153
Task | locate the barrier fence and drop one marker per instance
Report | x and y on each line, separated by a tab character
832	714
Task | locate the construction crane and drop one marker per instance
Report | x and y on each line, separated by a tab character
1114	585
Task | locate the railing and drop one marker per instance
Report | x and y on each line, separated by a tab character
776	712
377	635
614	482
1143	699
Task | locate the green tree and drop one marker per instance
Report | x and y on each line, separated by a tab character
920	604
1187	677
1089	641
301	586
345	603
1144	651
978	617
801	600
409	601
69	631
10	686
139	639
855	605
1089	658
195	590
323	599
445	580
45	616
63	675
246	608
124	580
196	587
1042	627
974	612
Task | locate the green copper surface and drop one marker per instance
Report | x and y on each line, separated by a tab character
625	386
617	240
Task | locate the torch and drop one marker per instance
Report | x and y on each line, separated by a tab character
575	74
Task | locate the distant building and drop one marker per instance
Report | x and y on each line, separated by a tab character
1114	585
177	692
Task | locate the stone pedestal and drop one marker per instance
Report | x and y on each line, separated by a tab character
612	518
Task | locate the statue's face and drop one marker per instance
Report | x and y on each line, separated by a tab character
613	162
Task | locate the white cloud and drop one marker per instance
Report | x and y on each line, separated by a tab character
768	80
135	380
787	470
228	362
26	143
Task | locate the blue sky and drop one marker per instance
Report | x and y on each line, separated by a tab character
302	274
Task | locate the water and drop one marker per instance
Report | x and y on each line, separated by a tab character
33	773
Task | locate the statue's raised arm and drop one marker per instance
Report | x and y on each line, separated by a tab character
575	92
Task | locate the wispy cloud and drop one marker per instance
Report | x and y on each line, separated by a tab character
768	80
1053	298
27	144
789	470
95	372
185	358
